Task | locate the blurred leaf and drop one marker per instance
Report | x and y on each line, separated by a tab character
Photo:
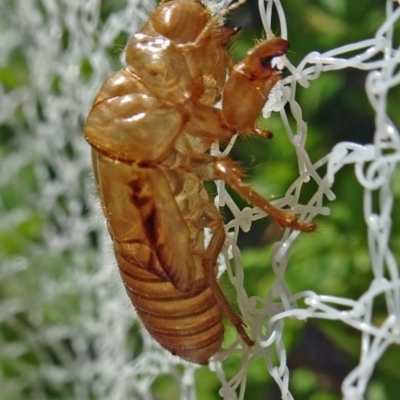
31	228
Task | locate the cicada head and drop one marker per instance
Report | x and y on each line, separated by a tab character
179	21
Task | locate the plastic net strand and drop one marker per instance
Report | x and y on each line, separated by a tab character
67	328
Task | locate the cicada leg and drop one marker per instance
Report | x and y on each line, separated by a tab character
213	168
209	262
228	171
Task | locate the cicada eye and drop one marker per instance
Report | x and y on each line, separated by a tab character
266	62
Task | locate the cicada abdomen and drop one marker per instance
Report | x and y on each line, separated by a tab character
186	324
159	253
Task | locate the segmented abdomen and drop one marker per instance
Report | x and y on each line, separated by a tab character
188	325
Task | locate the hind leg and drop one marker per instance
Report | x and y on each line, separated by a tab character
209	262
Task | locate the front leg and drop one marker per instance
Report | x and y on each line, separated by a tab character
249	84
244	96
209	124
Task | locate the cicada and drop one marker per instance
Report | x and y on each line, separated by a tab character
151	128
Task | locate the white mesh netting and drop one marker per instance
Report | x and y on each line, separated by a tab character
67	328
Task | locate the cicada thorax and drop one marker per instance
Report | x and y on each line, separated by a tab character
124	121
